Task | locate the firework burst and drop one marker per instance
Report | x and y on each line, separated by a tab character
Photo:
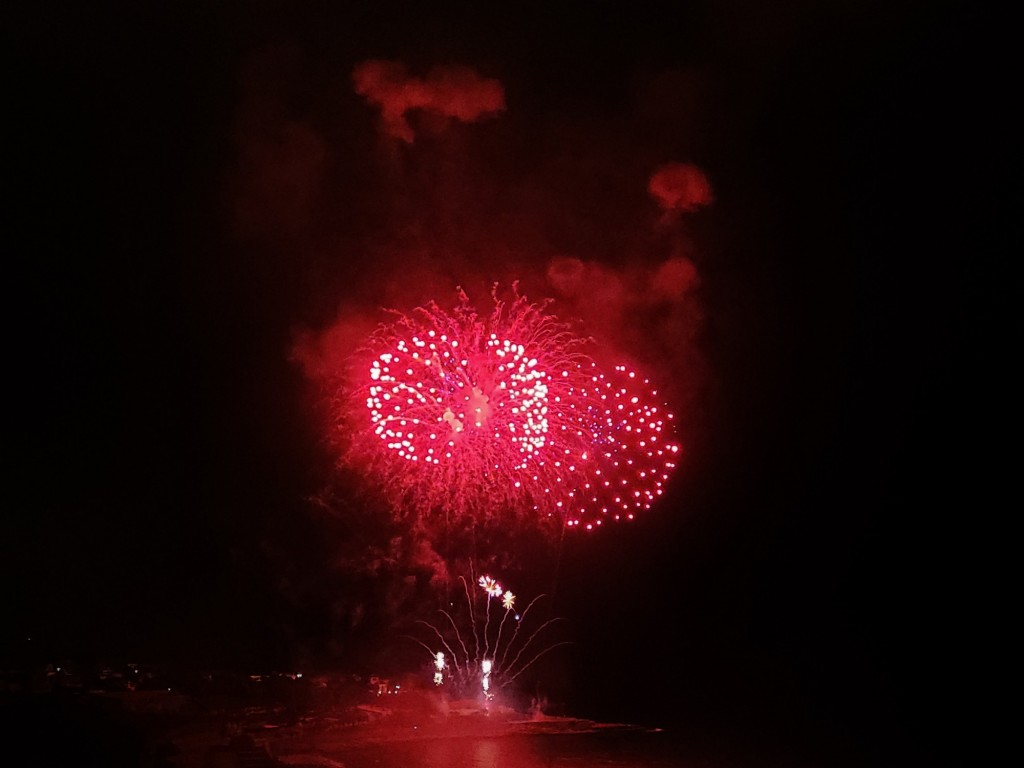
468	652
483	416
490	586
634	449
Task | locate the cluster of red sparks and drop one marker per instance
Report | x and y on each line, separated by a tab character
477	415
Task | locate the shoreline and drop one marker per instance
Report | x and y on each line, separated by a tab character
312	745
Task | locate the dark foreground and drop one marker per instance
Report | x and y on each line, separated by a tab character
63	738
166	729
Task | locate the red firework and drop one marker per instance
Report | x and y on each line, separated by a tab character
635	451
486	415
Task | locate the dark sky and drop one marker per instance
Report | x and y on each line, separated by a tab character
803	573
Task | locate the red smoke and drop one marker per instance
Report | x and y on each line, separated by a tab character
680	187
457	92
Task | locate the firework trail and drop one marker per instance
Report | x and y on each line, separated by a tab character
466	672
507	601
493	589
506	413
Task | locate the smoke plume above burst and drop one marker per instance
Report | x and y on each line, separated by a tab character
680	187
455	92
573	210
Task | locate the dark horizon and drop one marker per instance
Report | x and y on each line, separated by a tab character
799	575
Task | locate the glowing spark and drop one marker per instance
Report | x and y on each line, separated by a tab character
439	668
508	600
486	678
490	586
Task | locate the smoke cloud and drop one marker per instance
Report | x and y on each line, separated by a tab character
455	92
680	187
645	313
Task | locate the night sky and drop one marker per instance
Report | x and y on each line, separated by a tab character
193	187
